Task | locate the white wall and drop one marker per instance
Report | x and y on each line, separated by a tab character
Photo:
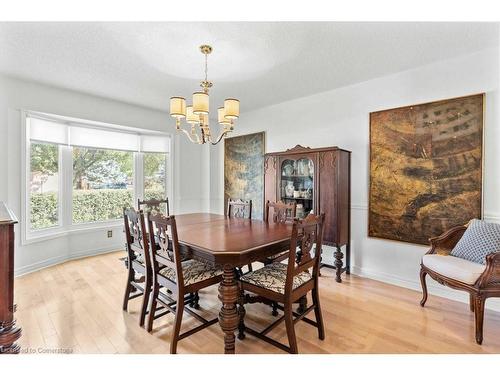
341	117
190	176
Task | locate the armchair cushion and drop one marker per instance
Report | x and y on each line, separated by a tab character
454	268
480	239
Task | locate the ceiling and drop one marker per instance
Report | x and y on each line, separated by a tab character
260	63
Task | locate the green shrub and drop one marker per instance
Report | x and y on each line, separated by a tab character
88	205
100	205
43	210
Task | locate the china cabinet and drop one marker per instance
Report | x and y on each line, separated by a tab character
318	180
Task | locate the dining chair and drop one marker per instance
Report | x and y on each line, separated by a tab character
239	208
287	283
138	264
151	204
281	213
182	278
154	204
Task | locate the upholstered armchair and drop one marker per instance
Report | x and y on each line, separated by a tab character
481	281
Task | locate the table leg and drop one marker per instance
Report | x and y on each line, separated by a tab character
228	316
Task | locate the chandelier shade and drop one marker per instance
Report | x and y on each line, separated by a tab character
200	103
191	118
232	109
197	114
177	107
221	117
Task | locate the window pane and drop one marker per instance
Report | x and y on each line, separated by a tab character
155	177
102	184
44	185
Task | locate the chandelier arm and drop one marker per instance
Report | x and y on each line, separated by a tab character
188	134
205	135
219	138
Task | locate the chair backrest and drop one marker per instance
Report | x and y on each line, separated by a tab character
163	232
135	234
153	205
239	208
282	212
305	248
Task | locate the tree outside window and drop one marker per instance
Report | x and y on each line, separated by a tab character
155	177
102	184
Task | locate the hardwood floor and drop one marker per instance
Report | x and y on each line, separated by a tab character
77	306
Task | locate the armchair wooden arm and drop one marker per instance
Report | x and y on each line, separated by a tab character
490	279
444	243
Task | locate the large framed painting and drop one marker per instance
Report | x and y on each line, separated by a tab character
425	168
244	170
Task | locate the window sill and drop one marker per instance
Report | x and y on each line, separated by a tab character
74	229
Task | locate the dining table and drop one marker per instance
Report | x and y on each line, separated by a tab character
230	243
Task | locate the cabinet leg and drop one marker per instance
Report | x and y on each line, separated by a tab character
338	264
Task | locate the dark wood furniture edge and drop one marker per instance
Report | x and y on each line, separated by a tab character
298	149
9	332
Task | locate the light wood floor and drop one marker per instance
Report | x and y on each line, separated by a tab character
77	306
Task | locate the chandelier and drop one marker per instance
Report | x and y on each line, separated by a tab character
197	114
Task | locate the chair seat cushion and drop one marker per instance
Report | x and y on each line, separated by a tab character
479	239
194	271
453	267
273	276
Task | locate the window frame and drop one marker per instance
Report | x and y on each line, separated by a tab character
65	194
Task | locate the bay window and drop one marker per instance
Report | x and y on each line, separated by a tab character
82	174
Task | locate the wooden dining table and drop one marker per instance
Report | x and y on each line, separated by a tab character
230	243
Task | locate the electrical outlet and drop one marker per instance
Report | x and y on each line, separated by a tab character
110	233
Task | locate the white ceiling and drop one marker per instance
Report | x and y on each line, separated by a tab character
259	63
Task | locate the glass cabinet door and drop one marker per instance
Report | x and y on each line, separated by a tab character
297	184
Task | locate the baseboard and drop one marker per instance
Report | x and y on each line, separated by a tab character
63	258
433	288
